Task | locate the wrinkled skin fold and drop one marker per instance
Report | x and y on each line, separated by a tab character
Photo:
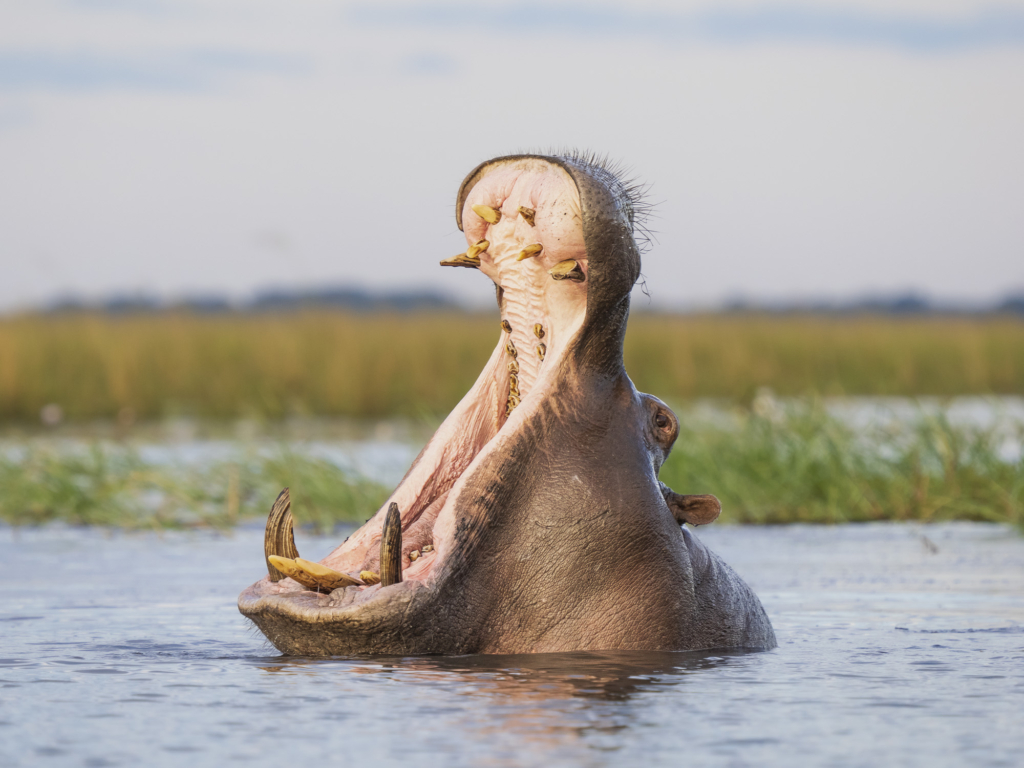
533	520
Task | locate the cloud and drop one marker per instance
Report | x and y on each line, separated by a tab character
180	71
785	24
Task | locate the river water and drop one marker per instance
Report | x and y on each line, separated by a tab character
899	645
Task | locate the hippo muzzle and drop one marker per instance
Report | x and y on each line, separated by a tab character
533	520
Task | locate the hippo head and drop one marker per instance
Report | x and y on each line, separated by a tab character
533	520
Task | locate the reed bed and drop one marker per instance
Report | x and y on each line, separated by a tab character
771	464
330	363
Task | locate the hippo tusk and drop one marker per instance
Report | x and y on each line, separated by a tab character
567	270
391	548
528	215
279	539
693	509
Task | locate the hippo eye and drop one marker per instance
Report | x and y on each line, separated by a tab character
661	420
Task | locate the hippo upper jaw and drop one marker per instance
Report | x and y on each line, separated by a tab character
533	519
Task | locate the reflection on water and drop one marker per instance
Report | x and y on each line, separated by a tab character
899	645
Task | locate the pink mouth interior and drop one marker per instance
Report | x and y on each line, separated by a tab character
528	297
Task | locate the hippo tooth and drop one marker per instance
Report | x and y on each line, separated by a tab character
527	214
369	577
462	260
279	538
567	270
538	331
506	327
414	555
511	349
488	214
391	548
326	578
287	567
513	366
471	258
475	250
542	349
529	251
428	548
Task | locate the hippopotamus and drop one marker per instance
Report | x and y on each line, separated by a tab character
533	520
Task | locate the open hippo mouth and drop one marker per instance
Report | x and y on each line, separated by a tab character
533	519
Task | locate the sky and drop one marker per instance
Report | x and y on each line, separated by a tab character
807	150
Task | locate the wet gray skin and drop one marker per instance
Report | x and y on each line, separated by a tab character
533	520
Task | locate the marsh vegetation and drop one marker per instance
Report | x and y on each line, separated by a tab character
329	363
776	462
771	459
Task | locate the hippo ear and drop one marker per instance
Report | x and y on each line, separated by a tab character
695	510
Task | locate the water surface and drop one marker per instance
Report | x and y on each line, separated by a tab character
899	645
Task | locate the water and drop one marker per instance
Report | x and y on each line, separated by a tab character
899	645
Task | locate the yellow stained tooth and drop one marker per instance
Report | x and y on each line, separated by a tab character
527	214
471	258
428	548
414	555
567	270
511	404
542	349
369	577
462	260
326	578
283	564
513	366
475	250
506	327
288	567
530	251
488	214
538	331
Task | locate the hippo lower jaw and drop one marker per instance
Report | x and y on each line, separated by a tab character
533	519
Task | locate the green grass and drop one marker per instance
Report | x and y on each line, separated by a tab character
373	366
800	465
112	486
769	464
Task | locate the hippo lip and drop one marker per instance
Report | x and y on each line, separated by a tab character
523	227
